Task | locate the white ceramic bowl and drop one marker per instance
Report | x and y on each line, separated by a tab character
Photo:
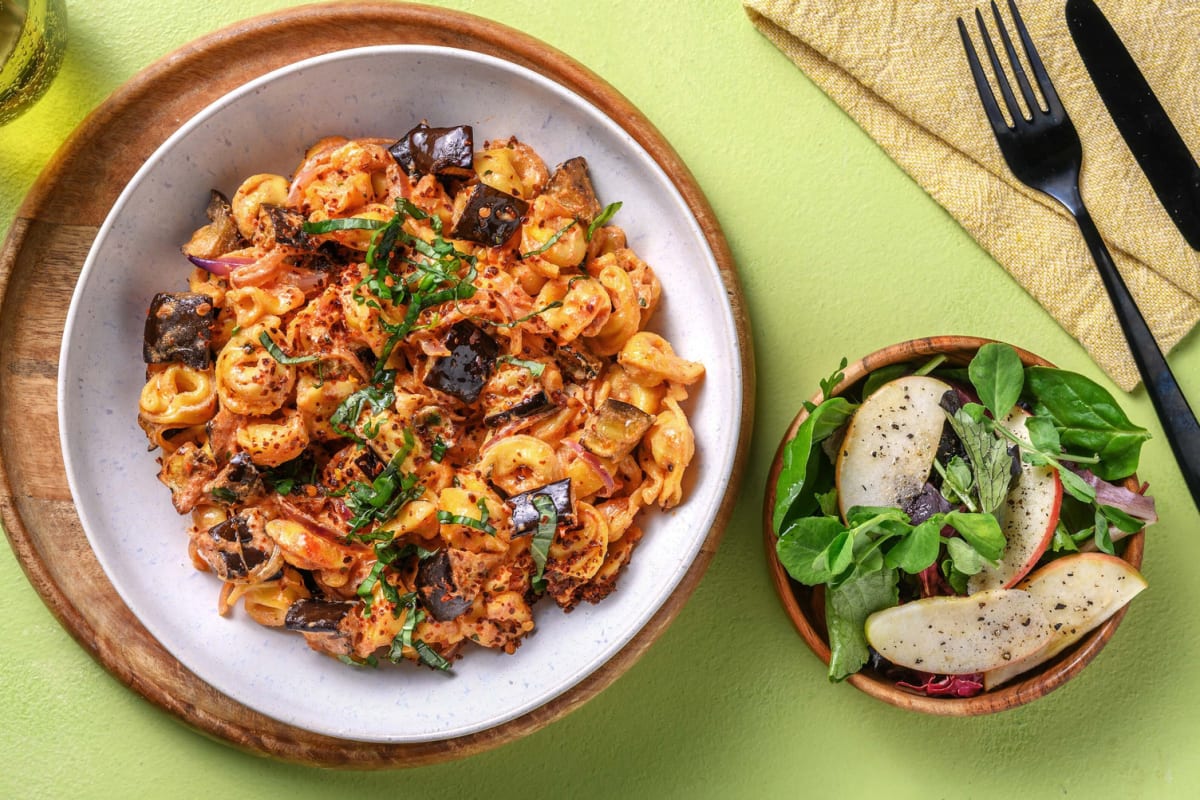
139	539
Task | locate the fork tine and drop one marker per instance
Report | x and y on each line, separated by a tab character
1054	105
1026	90
1001	78
990	107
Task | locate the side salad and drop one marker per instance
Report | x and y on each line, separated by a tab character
963	522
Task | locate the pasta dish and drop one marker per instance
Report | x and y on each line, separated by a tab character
410	392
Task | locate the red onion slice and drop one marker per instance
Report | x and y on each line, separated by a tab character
590	459
220	266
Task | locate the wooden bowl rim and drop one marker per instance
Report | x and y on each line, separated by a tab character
1038	683
224	59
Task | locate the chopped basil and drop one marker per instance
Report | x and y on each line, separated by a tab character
282	357
369	661
224	494
447	518
536	368
379	500
539	545
378	396
529	316
430	657
609	211
347	224
553	240
437	450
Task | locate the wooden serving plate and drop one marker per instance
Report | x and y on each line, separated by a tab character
41	261
805	605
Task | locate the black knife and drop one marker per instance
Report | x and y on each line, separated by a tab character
1141	119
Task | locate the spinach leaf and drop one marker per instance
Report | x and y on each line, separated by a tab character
998	376
1043	435
794	490
881	376
1088	419
846	610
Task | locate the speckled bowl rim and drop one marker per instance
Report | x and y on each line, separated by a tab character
697	519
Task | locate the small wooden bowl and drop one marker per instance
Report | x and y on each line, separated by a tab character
805	605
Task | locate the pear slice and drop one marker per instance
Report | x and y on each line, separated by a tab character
960	635
1028	517
1076	593
888	450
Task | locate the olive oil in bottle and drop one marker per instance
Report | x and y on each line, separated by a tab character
33	38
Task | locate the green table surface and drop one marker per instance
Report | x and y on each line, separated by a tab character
839	253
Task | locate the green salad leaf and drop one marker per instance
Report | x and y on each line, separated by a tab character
998	376
795	495
1088	419
846	610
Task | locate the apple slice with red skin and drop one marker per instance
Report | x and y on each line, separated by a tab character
1028	517
951	635
1076	593
890	443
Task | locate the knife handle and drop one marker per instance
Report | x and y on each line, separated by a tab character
1178	422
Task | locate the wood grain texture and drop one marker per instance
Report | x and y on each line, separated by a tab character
805	605
40	263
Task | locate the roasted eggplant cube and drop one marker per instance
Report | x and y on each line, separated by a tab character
578	365
370	463
281	226
401	151
525	514
532	402
234	555
179	328
571	186
238	481
442	151
490	217
438	590
472	358
615	429
513	392
317	616
218	237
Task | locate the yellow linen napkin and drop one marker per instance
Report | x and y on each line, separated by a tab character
898	68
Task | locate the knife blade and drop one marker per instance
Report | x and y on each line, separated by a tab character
1156	145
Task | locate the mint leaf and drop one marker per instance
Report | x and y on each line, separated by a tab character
989	456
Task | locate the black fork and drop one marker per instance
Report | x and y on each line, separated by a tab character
1043	151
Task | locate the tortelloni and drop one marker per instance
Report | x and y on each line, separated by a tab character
178	396
249	379
422	401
